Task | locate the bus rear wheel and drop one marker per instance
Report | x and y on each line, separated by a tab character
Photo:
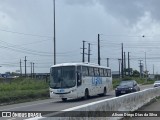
86	94
104	92
64	99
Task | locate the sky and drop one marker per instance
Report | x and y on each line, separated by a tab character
26	29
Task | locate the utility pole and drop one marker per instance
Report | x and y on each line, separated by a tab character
89	52
153	69
122	63
146	66
125	63
25	67
54	38
128	65
119	60
107	62
83	54
99	58
31	69
20	68
140	66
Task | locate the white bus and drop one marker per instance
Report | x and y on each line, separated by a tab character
77	80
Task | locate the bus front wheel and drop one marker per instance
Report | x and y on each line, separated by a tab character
64	99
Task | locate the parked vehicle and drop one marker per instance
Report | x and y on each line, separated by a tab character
156	83
127	86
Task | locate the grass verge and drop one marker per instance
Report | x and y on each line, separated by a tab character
23	89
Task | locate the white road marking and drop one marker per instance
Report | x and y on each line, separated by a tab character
23	106
11	119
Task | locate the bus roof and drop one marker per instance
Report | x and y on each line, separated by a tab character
82	64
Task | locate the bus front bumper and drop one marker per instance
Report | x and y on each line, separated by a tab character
71	94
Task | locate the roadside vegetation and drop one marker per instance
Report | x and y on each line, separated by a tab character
142	81
23	89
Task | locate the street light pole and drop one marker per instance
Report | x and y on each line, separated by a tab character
122	67
54	38
107	62
99	58
119	60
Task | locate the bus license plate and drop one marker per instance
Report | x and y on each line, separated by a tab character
60	90
61	96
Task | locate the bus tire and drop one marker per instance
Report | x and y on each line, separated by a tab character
104	91
86	94
64	99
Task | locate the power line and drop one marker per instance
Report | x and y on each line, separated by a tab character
35	42
33	52
21	33
22	51
121	35
22	48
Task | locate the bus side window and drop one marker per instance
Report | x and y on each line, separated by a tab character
101	72
105	72
85	71
96	71
79	78
109	72
91	71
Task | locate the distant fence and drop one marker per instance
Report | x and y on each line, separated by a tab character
10	79
38	75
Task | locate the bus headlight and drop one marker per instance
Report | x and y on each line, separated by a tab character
73	90
51	92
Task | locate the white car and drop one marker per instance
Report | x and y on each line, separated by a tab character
156	83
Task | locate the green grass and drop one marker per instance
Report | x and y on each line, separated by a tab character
115	82
22	89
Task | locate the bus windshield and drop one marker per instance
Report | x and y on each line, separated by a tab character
62	77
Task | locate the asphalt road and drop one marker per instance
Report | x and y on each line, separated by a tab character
57	104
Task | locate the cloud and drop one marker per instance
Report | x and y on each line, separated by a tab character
80	2
77	20
131	11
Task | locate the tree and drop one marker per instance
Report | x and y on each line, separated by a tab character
136	73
